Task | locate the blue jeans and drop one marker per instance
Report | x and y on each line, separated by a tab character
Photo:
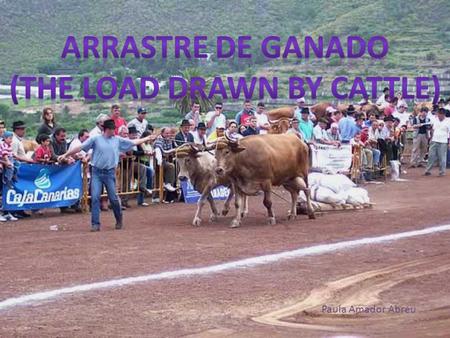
106	177
10	173
376	156
149	174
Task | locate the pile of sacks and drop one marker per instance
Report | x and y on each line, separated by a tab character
335	192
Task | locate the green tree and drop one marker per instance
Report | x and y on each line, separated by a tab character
184	103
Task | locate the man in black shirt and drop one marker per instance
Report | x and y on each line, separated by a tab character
421	124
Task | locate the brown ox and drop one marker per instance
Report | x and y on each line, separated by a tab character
280	119
420	105
260	162
199	167
320	109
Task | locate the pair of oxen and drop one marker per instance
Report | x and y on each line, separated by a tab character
248	166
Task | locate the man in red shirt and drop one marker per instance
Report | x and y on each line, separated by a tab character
115	115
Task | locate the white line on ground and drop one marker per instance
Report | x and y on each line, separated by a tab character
243	263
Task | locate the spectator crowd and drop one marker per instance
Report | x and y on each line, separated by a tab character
380	136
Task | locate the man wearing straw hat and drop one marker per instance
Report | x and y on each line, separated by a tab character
106	150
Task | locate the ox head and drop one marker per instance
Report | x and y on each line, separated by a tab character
226	151
187	156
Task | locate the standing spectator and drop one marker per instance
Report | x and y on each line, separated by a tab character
194	114
18	128
115	116
388	140
2	129
401	101
347	125
252	128
8	168
200	134
421	125
439	143
306	127
214	120
83	135
381	101
105	156
163	144
48	125
301	103
262	119
140	121
98	129
59	145
243	117
43	153
184	136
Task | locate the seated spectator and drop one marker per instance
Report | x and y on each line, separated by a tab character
242	129
333	133
388	140
192	126
49	125
59	145
366	154
146	161
43	153
2	129
402	115
370	118
162	145
139	168
200	134
321	135
252	128
294	129
184	136
232	131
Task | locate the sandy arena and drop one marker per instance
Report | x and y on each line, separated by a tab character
385	287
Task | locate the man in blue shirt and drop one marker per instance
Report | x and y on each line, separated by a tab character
347	125
106	149
306	127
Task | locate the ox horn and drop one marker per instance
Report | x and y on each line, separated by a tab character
274	121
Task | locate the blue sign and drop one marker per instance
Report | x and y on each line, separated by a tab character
44	186
192	196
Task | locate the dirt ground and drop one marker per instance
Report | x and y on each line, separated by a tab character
406	280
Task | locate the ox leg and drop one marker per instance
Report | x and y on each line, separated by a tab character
226	206
214	213
245	208
293	187
201	202
304	187
238	204
268	204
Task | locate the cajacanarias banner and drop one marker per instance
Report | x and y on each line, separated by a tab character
44	186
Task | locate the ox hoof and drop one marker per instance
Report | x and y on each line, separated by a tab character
213	218
244	214
311	215
225	212
272	221
291	217
235	224
197	222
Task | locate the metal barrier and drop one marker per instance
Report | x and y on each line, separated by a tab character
128	175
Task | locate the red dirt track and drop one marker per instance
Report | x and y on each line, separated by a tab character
288	298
